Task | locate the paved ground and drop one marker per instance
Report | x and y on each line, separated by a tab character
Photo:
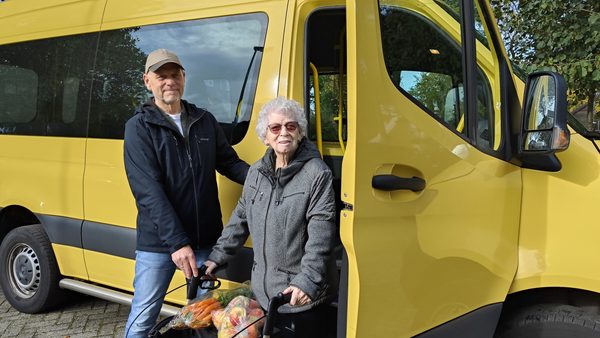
81	317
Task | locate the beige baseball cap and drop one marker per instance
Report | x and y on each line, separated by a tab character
160	57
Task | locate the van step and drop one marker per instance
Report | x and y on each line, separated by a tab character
108	294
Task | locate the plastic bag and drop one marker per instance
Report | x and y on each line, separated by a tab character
225	296
198	313
239	313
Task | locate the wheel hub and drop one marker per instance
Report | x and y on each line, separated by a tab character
25	274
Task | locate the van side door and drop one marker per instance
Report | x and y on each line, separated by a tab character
221	45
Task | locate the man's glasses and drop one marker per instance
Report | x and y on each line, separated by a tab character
275	128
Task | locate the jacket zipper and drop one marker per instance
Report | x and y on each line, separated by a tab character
264	252
186	140
178	150
278	193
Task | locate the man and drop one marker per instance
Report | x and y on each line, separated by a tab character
172	149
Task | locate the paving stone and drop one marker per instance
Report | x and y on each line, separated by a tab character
65	318
53	316
54	329
12	330
27	334
85	317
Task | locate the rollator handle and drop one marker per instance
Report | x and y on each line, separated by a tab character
274	304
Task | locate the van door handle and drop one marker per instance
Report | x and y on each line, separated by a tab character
393	182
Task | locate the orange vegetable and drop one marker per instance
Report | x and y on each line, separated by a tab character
209	309
198	314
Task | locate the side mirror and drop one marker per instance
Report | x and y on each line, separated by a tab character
544	125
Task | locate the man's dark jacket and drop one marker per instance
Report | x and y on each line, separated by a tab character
173	177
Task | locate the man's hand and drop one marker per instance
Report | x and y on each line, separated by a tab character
298	296
185	260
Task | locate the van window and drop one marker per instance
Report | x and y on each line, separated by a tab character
45	86
216	53
70	94
425	63
18	94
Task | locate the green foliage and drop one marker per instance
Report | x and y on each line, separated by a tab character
428	89
329	102
562	36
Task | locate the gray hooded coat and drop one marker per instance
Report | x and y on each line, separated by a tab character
290	213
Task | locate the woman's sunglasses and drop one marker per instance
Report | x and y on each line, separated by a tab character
275	128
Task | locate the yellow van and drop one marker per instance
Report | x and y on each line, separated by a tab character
457	218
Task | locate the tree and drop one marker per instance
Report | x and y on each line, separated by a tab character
118	86
329	104
562	36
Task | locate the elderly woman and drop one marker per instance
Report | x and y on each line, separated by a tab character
288	207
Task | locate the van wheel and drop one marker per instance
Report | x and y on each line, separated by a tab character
550	321
29	274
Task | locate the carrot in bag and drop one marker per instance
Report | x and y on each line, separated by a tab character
195	315
203	318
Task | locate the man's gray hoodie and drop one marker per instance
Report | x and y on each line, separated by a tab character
290	213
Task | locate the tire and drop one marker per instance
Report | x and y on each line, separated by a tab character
29	274
549	321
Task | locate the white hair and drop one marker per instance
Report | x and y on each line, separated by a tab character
289	107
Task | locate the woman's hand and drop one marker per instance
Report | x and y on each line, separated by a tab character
210	266
298	296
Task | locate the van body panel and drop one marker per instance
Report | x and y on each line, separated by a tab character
111	270
43	174
70	261
108	200
107	196
120	14
27	19
559	229
442	251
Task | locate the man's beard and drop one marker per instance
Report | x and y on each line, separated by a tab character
170	100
